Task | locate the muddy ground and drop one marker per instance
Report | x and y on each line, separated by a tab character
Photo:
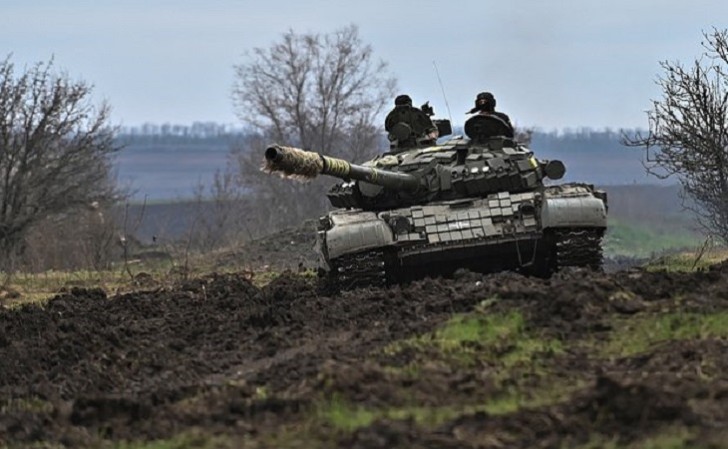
583	360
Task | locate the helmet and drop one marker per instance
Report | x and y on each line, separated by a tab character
484	101
403	100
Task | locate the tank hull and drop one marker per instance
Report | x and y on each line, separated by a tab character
537	232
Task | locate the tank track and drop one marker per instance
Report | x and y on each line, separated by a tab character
579	248
365	269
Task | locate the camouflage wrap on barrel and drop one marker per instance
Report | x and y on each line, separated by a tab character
297	163
292	162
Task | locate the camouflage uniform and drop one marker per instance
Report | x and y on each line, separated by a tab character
420	123
485	105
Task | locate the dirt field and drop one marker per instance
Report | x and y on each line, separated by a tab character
583	360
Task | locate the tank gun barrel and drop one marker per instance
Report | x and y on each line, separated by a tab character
290	161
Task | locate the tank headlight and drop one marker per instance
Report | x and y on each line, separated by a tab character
554	169
399	224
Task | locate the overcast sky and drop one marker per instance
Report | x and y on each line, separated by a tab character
551	64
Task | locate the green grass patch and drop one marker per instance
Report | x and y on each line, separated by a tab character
348	417
345	416
465	340
500	338
479	328
638	334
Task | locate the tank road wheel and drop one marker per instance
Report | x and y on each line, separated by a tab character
365	269
580	247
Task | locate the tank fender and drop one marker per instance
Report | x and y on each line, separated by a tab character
351	233
574	211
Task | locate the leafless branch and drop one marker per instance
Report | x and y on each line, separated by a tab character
319	92
55	149
688	131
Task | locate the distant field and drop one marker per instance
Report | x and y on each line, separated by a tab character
647	221
164	172
635	239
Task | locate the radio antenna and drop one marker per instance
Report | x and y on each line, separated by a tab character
439	80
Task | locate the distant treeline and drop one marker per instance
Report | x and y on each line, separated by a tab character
169	166
210	133
598	157
582	139
212	142
196	130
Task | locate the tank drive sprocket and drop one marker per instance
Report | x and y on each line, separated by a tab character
364	269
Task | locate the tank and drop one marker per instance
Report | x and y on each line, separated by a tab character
481	201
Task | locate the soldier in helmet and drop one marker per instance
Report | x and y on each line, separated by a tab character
421	128
485	105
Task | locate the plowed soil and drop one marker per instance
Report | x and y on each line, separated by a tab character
625	359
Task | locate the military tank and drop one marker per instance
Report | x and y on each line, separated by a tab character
480	201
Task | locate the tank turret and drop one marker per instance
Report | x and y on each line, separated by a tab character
457	169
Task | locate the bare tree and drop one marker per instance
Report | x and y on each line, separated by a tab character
55	150
220	218
688	132
82	238
319	92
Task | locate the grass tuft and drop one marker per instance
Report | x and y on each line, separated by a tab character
689	260
499	338
638	334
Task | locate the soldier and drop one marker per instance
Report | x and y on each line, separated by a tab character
423	130
485	105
